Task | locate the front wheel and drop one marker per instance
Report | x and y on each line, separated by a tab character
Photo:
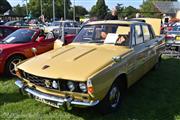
112	100
11	63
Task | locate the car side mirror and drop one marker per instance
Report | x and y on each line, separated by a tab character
41	38
34	50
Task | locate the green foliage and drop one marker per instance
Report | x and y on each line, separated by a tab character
35	8
120	8
130	12
4	6
148	9
123	12
80	11
20	10
99	10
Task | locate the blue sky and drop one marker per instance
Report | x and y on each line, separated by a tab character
89	3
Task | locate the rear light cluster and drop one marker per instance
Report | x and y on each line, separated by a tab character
167	37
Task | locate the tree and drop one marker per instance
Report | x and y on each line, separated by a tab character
4	6
129	12
20	10
99	10
80	11
35	8
149	10
120	8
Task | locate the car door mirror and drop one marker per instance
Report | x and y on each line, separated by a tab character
34	50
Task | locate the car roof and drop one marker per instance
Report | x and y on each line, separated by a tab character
65	21
112	22
9	27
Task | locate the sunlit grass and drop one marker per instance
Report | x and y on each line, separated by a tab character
155	97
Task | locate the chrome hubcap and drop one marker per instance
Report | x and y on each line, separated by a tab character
12	66
114	96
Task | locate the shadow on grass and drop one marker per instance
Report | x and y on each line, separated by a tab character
6	98
155	96
5	78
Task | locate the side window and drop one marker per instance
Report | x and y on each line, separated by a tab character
76	24
66	24
138	34
146	32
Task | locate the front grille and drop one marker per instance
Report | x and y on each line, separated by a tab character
49	83
40	81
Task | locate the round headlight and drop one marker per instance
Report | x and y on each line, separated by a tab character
54	84
83	87
71	85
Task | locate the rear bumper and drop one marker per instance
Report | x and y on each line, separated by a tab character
60	101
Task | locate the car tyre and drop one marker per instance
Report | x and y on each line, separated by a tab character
10	65
112	100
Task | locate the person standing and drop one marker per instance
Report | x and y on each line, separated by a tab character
112	16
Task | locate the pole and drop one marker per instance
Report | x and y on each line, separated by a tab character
26	8
74	12
64	9
53	11
41	7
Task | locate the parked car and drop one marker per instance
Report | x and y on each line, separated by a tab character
18	46
18	23
6	30
57	25
173	38
71	28
92	71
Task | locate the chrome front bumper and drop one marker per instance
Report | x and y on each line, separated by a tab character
59	100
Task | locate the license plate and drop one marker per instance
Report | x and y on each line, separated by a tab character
177	37
51	103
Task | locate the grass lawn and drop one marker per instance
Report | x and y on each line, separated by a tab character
155	97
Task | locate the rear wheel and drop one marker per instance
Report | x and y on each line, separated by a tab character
11	63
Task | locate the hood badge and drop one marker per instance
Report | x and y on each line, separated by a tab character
45	67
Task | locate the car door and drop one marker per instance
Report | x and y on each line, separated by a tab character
150	44
45	44
136	63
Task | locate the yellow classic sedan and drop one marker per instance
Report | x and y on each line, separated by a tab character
105	59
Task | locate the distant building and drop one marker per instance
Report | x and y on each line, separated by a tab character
167	7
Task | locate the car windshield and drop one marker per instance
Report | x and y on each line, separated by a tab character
56	23
102	33
20	36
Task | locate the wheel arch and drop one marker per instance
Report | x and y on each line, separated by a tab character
16	54
122	81
9	57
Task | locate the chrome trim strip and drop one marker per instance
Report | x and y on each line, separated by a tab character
60	100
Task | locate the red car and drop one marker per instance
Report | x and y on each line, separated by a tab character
18	46
6	30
